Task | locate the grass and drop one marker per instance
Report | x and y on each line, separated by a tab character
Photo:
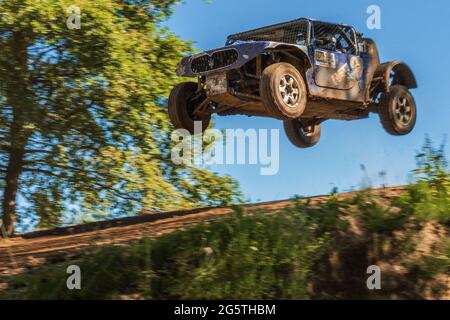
253	257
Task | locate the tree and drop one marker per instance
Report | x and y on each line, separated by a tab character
83	123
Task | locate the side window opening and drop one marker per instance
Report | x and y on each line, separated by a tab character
334	38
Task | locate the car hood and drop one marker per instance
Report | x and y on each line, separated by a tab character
244	52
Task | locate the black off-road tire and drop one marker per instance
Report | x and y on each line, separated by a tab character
271	91
180	109
301	135
397	110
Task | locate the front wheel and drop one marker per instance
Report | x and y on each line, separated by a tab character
283	91
301	134
183	100
398	111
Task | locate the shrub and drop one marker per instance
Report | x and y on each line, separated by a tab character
429	197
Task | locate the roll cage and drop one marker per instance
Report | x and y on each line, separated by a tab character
303	32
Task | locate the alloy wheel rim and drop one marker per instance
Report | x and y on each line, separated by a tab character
289	91
403	110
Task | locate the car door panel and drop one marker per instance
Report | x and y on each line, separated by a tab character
337	70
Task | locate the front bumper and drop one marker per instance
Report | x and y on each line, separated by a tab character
245	52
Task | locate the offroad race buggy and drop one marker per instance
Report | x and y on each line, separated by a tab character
302	72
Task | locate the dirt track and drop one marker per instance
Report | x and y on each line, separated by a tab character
21	253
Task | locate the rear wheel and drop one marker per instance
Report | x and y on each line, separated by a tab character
398	111
283	91
183	100
301	134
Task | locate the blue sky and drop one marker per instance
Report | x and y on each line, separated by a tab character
413	31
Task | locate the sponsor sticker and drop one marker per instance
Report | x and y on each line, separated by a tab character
325	59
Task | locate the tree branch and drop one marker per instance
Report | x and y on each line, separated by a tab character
111	189
99	174
116	193
38	151
41	142
43	171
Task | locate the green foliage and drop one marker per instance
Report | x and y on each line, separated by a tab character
252	257
438	264
429	197
88	108
328	217
379	219
262	255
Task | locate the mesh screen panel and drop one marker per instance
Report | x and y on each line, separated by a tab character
343	35
295	32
